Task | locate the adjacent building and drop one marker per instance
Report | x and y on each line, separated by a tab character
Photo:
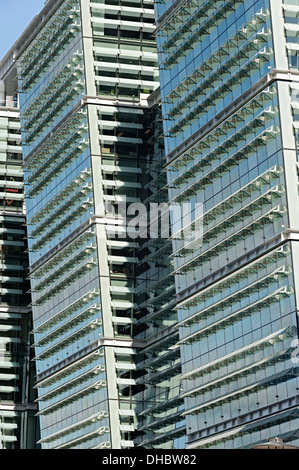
18	426
229	91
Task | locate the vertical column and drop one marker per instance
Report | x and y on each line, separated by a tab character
287	134
108	333
289	152
279	41
104	271
87	37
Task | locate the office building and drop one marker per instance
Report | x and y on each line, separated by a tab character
188	341
18	426
229	91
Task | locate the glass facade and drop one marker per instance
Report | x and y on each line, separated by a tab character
230	129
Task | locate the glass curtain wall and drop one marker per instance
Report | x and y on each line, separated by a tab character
230	131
